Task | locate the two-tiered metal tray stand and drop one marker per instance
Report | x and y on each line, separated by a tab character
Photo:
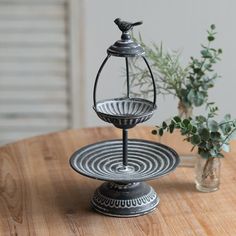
125	163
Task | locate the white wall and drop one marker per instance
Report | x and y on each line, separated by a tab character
179	25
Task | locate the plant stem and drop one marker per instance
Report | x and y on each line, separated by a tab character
206	168
227	122
227	137
208	45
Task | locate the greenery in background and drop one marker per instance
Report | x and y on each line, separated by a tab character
204	132
189	83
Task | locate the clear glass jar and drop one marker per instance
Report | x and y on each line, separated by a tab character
184	111
207	172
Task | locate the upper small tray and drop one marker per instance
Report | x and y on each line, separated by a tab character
125	112
146	160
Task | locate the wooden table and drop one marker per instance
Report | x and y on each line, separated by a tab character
41	195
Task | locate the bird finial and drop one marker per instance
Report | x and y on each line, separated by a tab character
125	26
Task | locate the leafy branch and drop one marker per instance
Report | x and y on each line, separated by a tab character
205	133
189	83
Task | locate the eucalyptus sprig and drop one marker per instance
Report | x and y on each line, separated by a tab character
189	83
204	132
201	75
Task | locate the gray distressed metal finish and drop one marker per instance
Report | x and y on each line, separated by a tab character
124	195
124	163
125	112
125	47
114	199
146	160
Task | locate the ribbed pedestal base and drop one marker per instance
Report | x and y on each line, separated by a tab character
125	199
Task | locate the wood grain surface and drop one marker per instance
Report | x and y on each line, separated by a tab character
41	195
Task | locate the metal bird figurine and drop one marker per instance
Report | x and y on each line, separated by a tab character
125	26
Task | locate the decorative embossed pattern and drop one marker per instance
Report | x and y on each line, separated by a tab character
101	200
125	112
146	160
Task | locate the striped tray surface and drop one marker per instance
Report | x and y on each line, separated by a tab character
146	160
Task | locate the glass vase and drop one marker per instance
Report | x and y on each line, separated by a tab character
184	111
207	174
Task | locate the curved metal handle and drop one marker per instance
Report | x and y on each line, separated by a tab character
96	80
153	81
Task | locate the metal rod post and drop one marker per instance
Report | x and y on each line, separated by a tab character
125	147
127	75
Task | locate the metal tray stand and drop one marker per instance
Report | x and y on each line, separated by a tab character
124	194
124	164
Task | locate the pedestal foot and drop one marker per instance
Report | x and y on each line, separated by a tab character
125	199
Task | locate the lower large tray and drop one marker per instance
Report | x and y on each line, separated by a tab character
146	160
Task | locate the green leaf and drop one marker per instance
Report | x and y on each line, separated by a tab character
201	119
194	129
177	119
171	128
210	38
209	104
203	153
195	139
213	125
204	133
206	53
186	122
213	26
197	70
227	117
199	99
225	127
184	131
215	136
207	67
195	97
190	127
164	125
161	131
